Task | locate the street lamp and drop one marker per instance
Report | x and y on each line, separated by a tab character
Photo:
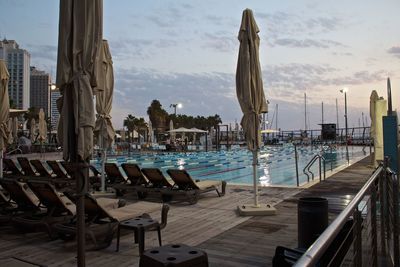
177	105
49	115
344	90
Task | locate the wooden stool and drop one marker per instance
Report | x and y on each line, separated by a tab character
177	255
139	225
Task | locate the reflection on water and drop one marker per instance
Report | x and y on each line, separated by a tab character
181	164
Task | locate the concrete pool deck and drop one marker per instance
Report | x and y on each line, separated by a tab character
212	225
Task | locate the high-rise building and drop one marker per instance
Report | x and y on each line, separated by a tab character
18	64
55	115
40	90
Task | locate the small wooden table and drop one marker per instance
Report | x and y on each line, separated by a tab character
139	225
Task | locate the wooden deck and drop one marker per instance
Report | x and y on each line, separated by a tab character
212	224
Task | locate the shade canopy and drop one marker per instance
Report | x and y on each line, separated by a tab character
372	100
80	35
42	126
104	131
16	112
4	105
249	85
186	130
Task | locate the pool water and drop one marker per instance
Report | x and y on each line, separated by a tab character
276	163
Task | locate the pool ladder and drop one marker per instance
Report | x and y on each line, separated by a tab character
321	161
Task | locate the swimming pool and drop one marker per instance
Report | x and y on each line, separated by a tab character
276	163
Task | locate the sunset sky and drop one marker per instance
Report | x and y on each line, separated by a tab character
186	52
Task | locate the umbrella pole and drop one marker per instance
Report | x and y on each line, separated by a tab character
255	158
103	168
81	174
1	163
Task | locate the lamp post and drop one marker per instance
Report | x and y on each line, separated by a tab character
177	105
344	90
49	115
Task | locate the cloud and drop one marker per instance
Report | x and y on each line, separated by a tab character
306	43
395	50
46	52
139	48
220	42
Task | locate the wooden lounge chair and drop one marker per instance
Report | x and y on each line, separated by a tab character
94	180
58	209
57	169
11	168
156	178
114	175
26	167
26	202
184	182
43	172
101	224
134	174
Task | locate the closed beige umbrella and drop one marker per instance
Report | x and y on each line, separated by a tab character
42	126
4	112
250	93
33	128
103	130
123	136
79	39
171	127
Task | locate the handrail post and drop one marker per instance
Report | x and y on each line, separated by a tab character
320	173
357	239
297	165
324	163
382	211
374	239
395	193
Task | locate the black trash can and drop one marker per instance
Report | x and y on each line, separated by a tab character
312	219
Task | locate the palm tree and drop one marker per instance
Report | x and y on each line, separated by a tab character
129	123
158	116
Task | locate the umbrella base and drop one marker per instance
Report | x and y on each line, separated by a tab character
251	210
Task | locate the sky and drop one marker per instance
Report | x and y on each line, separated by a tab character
186	52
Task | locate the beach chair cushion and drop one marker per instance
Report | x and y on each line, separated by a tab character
156	177
134	174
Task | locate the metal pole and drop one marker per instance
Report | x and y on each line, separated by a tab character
1	163
322	112
297	165
374	233
255	162
395	193
345	117
103	163
358	238
337	116
81	176
305	112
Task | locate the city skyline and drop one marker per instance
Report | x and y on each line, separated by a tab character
186	52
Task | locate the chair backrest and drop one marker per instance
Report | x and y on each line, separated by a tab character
19	195
3	200
49	197
134	174
94	170
156	177
113	173
69	168
57	169
93	210
26	166
37	164
11	167
182	179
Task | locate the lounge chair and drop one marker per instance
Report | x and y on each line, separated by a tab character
156	178
43	172
26	167
11	168
26	202
135	176
101	224
58	209
184	182
114	175
94	181
57	169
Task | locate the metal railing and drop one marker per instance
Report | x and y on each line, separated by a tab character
374	233
307	169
